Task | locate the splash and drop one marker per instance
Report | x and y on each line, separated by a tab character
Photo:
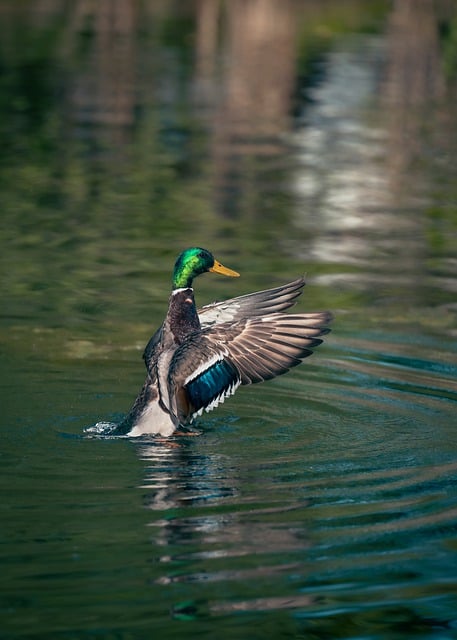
102	429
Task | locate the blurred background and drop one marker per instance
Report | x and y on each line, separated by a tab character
287	137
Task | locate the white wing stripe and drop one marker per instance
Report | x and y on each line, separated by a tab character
217	357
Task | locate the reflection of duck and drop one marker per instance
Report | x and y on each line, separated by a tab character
196	359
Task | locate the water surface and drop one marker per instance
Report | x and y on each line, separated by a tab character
289	138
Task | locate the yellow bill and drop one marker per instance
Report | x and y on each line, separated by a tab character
219	268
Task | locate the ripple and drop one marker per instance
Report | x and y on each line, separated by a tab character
326	493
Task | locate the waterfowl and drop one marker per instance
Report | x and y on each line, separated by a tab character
199	357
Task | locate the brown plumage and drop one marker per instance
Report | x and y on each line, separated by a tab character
197	358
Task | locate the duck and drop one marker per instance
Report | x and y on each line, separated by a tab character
198	358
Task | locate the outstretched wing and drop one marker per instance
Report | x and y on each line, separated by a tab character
210	366
260	303
201	376
262	348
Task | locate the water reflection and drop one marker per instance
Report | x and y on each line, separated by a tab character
202	516
254	110
102	92
376	520
341	185
352	196
180	476
414	85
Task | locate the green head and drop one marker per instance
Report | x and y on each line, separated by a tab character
194	261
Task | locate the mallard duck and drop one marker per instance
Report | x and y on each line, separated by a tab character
198	358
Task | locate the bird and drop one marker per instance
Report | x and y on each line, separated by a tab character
199	357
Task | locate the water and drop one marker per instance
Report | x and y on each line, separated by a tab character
319	505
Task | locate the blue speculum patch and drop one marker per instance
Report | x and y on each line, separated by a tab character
211	383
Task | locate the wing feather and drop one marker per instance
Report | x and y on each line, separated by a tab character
201	376
260	303
257	348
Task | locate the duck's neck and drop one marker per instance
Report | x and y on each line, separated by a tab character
182	317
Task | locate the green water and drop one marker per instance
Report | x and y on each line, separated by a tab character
287	138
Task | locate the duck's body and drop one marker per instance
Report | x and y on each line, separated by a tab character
197	358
